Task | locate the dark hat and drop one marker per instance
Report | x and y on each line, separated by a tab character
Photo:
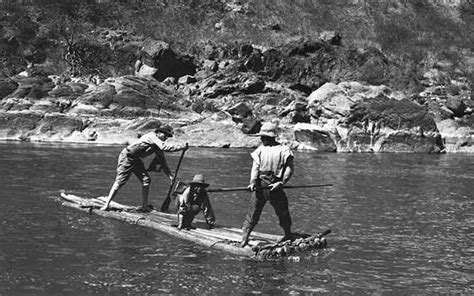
165	129
199	181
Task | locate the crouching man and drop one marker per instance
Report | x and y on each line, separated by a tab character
193	200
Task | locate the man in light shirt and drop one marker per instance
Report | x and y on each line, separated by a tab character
272	168
130	161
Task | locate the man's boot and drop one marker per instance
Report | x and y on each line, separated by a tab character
245	237
180	221
188	220
287	236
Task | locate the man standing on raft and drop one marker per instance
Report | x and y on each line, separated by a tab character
272	168
130	161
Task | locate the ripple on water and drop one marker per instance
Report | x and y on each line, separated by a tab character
400	224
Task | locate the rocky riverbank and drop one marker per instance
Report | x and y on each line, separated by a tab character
324	95
225	110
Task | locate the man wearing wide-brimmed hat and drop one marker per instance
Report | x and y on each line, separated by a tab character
272	167
130	161
193	200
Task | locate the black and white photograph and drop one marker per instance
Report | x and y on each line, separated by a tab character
236	147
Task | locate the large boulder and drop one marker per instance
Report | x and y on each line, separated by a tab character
251	125
336	101
456	105
31	87
252	85
240	111
403	141
17	125
315	138
38	126
363	123
456	137
62	90
143	92
126	96
99	97
15	104
7	86
395	114
159	55
388	125
60	124
330	101
145	70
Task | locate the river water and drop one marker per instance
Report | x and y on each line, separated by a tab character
401	224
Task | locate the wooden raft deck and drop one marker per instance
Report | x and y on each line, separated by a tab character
227	239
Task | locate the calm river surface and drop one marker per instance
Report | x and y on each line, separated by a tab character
401	224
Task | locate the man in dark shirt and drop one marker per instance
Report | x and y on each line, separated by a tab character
193	200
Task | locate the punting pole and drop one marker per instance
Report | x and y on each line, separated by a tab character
285	187
166	203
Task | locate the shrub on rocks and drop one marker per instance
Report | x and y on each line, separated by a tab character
392	113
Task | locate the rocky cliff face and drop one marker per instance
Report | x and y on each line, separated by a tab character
325	95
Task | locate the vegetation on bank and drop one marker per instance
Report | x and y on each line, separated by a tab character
89	38
358	75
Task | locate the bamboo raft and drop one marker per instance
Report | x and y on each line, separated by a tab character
261	245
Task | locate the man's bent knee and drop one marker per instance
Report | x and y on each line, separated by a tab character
146	182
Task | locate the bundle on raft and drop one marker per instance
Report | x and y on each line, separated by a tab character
261	245
288	248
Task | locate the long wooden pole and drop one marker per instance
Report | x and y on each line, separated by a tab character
166	203
246	189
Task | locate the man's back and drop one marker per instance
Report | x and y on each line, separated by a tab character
271	158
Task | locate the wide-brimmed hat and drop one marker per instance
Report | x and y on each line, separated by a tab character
268	129
165	129
199	181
